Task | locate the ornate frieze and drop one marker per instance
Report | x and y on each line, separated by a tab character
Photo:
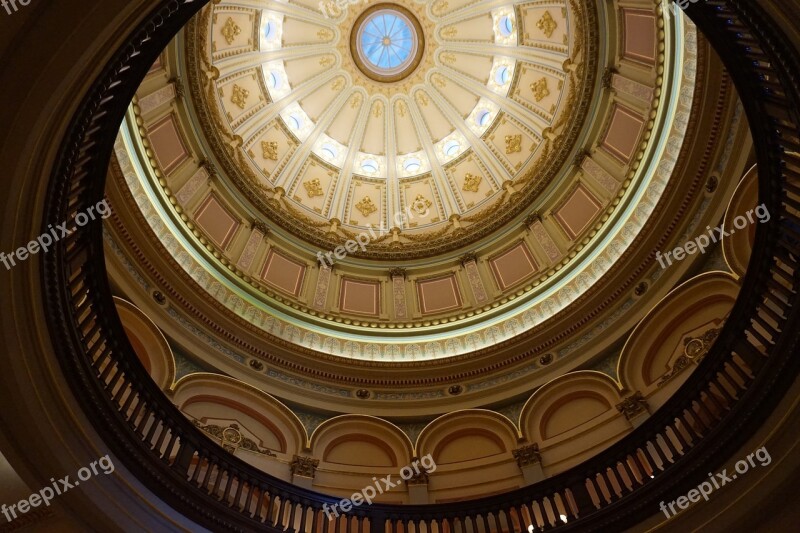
232	439
398	276
694	351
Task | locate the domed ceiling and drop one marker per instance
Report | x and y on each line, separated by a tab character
433	123
550	138
480	166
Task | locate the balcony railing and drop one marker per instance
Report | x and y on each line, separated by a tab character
745	374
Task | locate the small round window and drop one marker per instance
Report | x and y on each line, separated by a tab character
506	26
370	166
295	121
412	165
451	148
502	75
483	118
329	151
274	80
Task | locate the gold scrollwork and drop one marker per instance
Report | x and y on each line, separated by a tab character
239	96
513	144
540	90
472	182
230	30
270	149
366	206
420	205
313	188
547	24
439	7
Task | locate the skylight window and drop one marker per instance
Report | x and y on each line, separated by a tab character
387	41
329	151
451	148
412	165
482	118
506	26
274	80
502	75
369	166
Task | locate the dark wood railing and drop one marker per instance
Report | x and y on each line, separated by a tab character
744	375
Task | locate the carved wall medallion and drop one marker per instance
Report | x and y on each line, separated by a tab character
449	58
419	478
450	32
420	205
694	350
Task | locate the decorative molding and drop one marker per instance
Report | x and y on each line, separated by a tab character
366	206
472	182
527	455
513	144
398	276
304	466
469	261
154	100
633	405
232	439
540	90
195	183
239	96
694	351
250	249
545	240
323	283
547	24
419	478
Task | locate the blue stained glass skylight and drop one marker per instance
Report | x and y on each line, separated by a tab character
387	41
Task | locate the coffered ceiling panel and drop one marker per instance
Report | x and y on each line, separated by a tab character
393	90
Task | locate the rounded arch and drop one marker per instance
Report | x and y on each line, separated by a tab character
737	246
478	433
361	441
148	342
693	308
198	396
568	402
